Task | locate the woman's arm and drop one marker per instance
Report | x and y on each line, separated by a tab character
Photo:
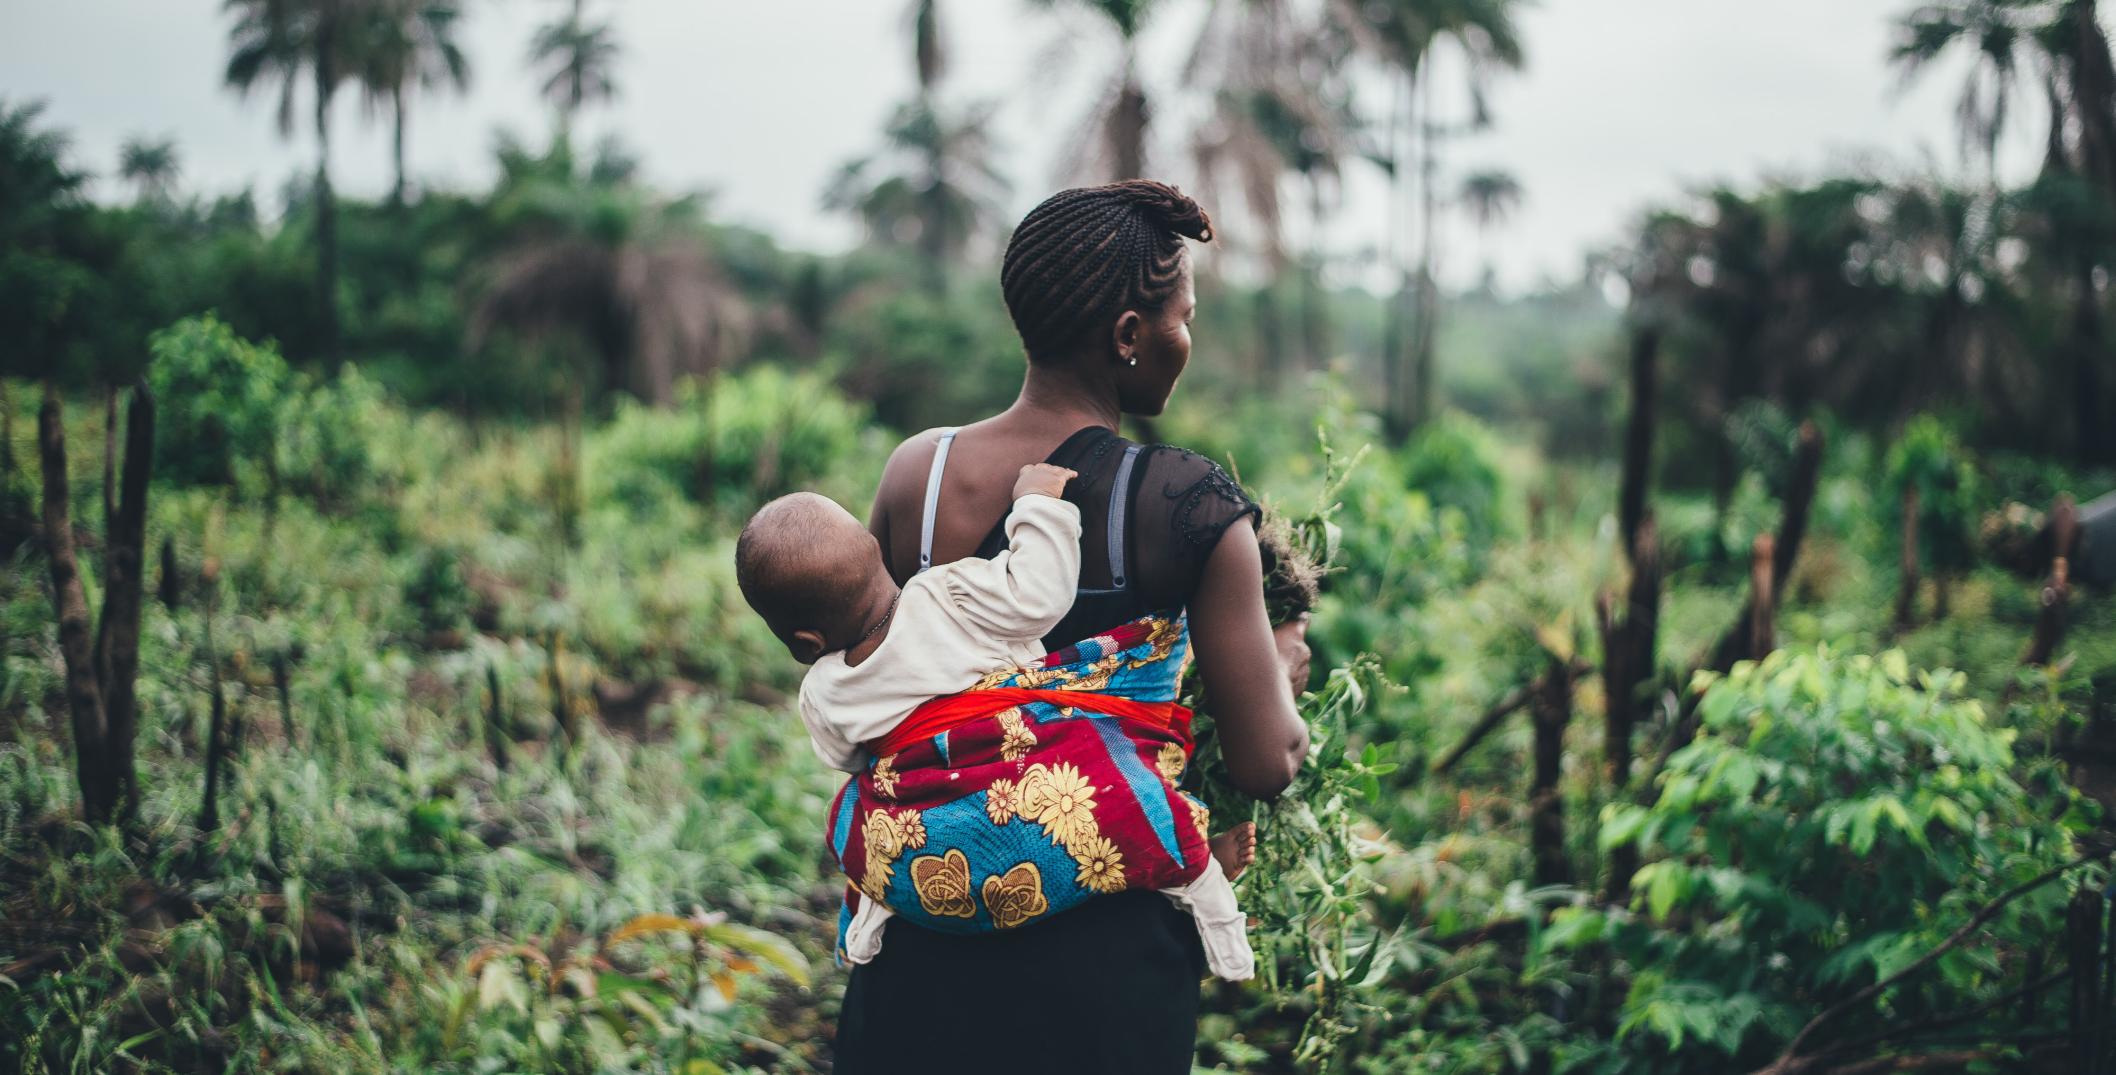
1247	667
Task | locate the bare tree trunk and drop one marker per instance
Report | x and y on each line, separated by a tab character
1763	598
7	430
1638	434
1426	376
1629	660
561	709
1738	643
326	209
396	143
117	650
1128	121
1396	404
281	683
1907	597
110	455
84	696
495	719
172	583
216	730
1550	709
2088	355
2057	591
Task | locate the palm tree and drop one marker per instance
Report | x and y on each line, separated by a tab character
933	184
1402	35
600	265
1491	196
150	165
408	45
929	51
580	57
1120	120
2002	38
2063	39
283	42
1280	106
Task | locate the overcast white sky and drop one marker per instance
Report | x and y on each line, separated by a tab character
1625	103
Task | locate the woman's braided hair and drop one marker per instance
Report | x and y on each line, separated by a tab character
1088	254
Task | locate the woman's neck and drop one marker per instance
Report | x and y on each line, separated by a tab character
1058	395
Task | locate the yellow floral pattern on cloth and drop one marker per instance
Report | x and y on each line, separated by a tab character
1170	763
1060	799
1015	896
1199	816
1101	865
1002	801
943	884
888	835
1017	740
886	777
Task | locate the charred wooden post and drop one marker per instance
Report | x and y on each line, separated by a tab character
110	455
280	683
561	710
2057	588
495	719
7	430
1550	709
84	695
216	728
1763	598
172	581
118	638
1638	434
1630	648
1907	597
2083	927
1737	644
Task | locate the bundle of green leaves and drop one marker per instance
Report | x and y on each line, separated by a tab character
1314	935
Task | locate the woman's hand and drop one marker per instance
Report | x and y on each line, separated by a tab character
1291	638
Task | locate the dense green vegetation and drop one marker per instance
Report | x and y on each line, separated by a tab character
1699	685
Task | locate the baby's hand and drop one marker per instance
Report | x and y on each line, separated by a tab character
1043	478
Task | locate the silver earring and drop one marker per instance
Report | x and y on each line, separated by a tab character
1132	361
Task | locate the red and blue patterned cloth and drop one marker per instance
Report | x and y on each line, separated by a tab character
1032	792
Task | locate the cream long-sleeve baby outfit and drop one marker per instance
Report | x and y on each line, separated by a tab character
955	623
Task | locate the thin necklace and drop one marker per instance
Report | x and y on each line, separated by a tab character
880	623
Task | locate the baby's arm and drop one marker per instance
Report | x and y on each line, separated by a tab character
1023	592
838	752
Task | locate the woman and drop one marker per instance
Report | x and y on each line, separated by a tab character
1099	286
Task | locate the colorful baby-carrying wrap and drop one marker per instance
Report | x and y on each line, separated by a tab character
1030	793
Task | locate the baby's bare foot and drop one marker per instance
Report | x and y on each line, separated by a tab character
1235	848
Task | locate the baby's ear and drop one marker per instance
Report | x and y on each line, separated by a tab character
807	645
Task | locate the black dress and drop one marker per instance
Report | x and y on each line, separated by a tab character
1110	987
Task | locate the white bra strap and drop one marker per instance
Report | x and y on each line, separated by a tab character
925	530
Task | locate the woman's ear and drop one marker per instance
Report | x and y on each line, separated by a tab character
807	645
1124	337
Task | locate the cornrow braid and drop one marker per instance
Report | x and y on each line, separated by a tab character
1088	254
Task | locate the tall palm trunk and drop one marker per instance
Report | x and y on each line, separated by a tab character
326	211
2087	357
1315	314
1428	296
396	144
1128	120
1395	357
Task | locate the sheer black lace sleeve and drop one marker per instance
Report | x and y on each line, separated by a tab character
1185	502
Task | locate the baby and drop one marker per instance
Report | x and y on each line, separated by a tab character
878	652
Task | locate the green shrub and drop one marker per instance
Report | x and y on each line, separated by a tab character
1835	818
735	442
1453	460
218	398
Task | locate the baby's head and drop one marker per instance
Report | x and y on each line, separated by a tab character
813	572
